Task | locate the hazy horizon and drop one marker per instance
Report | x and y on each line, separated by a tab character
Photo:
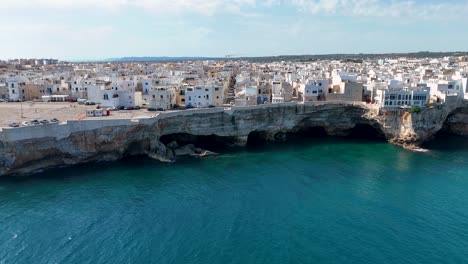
98	30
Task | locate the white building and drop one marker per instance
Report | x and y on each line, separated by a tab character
394	98
161	97
277	92
79	87
203	96
147	85
314	90
113	97
247	96
16	87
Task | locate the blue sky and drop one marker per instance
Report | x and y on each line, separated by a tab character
96	29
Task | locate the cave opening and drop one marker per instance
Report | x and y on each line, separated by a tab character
137	147
257	138
448	138
365	131
208	142
310	132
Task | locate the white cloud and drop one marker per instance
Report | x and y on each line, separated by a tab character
377	8
206	7
374	8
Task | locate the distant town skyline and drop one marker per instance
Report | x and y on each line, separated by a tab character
93	29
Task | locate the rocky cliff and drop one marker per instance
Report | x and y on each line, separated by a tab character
23	152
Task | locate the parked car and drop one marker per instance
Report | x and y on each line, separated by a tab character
54	120
211	106
35	122
2	100
130	108
152	109
160	109
44	121
121	107
90	103
14	124
189	106
25	123
137	107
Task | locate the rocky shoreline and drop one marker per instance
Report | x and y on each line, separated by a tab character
169	135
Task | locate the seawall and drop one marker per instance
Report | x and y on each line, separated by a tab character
27	149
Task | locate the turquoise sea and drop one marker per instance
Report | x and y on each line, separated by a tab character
326	200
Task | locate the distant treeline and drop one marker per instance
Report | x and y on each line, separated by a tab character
356	57
299	58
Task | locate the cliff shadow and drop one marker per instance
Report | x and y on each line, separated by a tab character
208	142
366	132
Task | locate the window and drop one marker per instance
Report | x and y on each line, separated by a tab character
106	97
12	85
217	97
216	89
199	96
207	96
154	96
206	90
146	83
320	84
162	97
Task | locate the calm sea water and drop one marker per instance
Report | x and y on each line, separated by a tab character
322	201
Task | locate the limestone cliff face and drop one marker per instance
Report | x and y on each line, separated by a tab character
75	144
412	129
457	122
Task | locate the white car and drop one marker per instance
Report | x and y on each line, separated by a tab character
25	123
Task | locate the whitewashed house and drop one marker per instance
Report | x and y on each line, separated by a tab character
198	96
314	90
246	96
79	87
161	97
395	98
113	96
277	92
16	86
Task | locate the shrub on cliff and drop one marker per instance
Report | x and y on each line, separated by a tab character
414	109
